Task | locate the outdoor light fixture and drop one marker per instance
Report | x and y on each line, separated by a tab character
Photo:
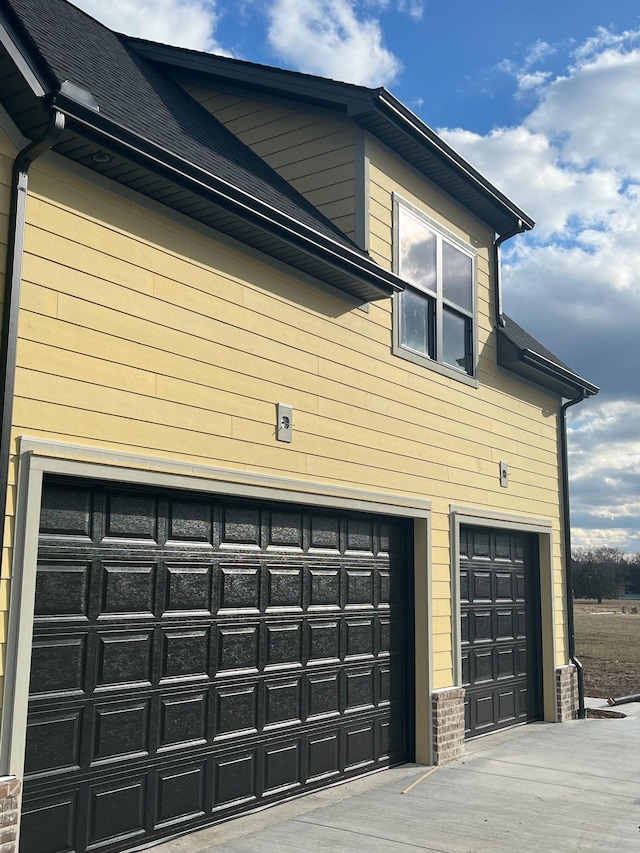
101	157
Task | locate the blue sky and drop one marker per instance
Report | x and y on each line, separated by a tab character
544	99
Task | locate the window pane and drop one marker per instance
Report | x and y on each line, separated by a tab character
456	342
416	322
457	271
417	252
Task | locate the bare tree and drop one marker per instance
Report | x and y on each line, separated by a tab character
598	572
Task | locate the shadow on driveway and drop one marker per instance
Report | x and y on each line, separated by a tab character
541	788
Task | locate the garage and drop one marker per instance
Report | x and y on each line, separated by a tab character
195	657
500	629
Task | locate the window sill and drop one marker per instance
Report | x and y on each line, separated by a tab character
435	366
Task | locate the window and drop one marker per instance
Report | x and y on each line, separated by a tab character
434	316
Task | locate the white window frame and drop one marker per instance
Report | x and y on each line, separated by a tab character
443	235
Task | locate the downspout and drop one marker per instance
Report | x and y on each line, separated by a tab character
564	464
13	277
521	228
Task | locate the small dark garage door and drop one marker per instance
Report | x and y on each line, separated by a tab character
500	629
194	658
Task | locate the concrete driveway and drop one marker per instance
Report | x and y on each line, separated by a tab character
541	788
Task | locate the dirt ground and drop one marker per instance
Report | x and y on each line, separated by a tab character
608	644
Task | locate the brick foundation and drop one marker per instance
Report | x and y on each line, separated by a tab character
10	789
448	724
567	693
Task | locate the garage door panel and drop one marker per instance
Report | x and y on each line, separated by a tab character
285	529
127	589
185	655
131	516
282	767
324	532
284	591
181	795
507	706
283	645
240	526
58	665
360	589
282	703
323	641
323	756
360	639
67	511
506	666
359	689
184	720
195	657
497	629
117	810
237	649
62	591
235	779
53	741
239	589
360	746
481	586
49	825
188	589
505	624
120	729
124	658
190	521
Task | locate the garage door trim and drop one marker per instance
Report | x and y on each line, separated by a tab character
543	529
39	457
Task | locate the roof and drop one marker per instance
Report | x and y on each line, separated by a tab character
376	110
115	98
521	353
124	96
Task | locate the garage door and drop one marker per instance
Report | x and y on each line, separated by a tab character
500	630
194	658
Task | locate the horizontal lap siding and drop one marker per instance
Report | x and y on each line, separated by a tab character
139	334
316	155
504	419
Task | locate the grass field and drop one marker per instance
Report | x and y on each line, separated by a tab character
608	644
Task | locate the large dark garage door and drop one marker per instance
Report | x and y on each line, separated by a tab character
194	658
501	642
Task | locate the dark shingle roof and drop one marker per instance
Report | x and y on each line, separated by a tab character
521	353
375	110
137	96
523	340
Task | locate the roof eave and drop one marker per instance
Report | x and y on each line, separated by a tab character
396	110
374	281
358	103
541	370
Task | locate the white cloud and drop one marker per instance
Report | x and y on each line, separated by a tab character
414	8
529	168
573	164
595	111
185	23
326	37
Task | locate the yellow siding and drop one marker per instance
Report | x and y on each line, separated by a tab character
315	155
467	431
142	335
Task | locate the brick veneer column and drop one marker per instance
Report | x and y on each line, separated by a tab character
10	788
567	693
448	724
